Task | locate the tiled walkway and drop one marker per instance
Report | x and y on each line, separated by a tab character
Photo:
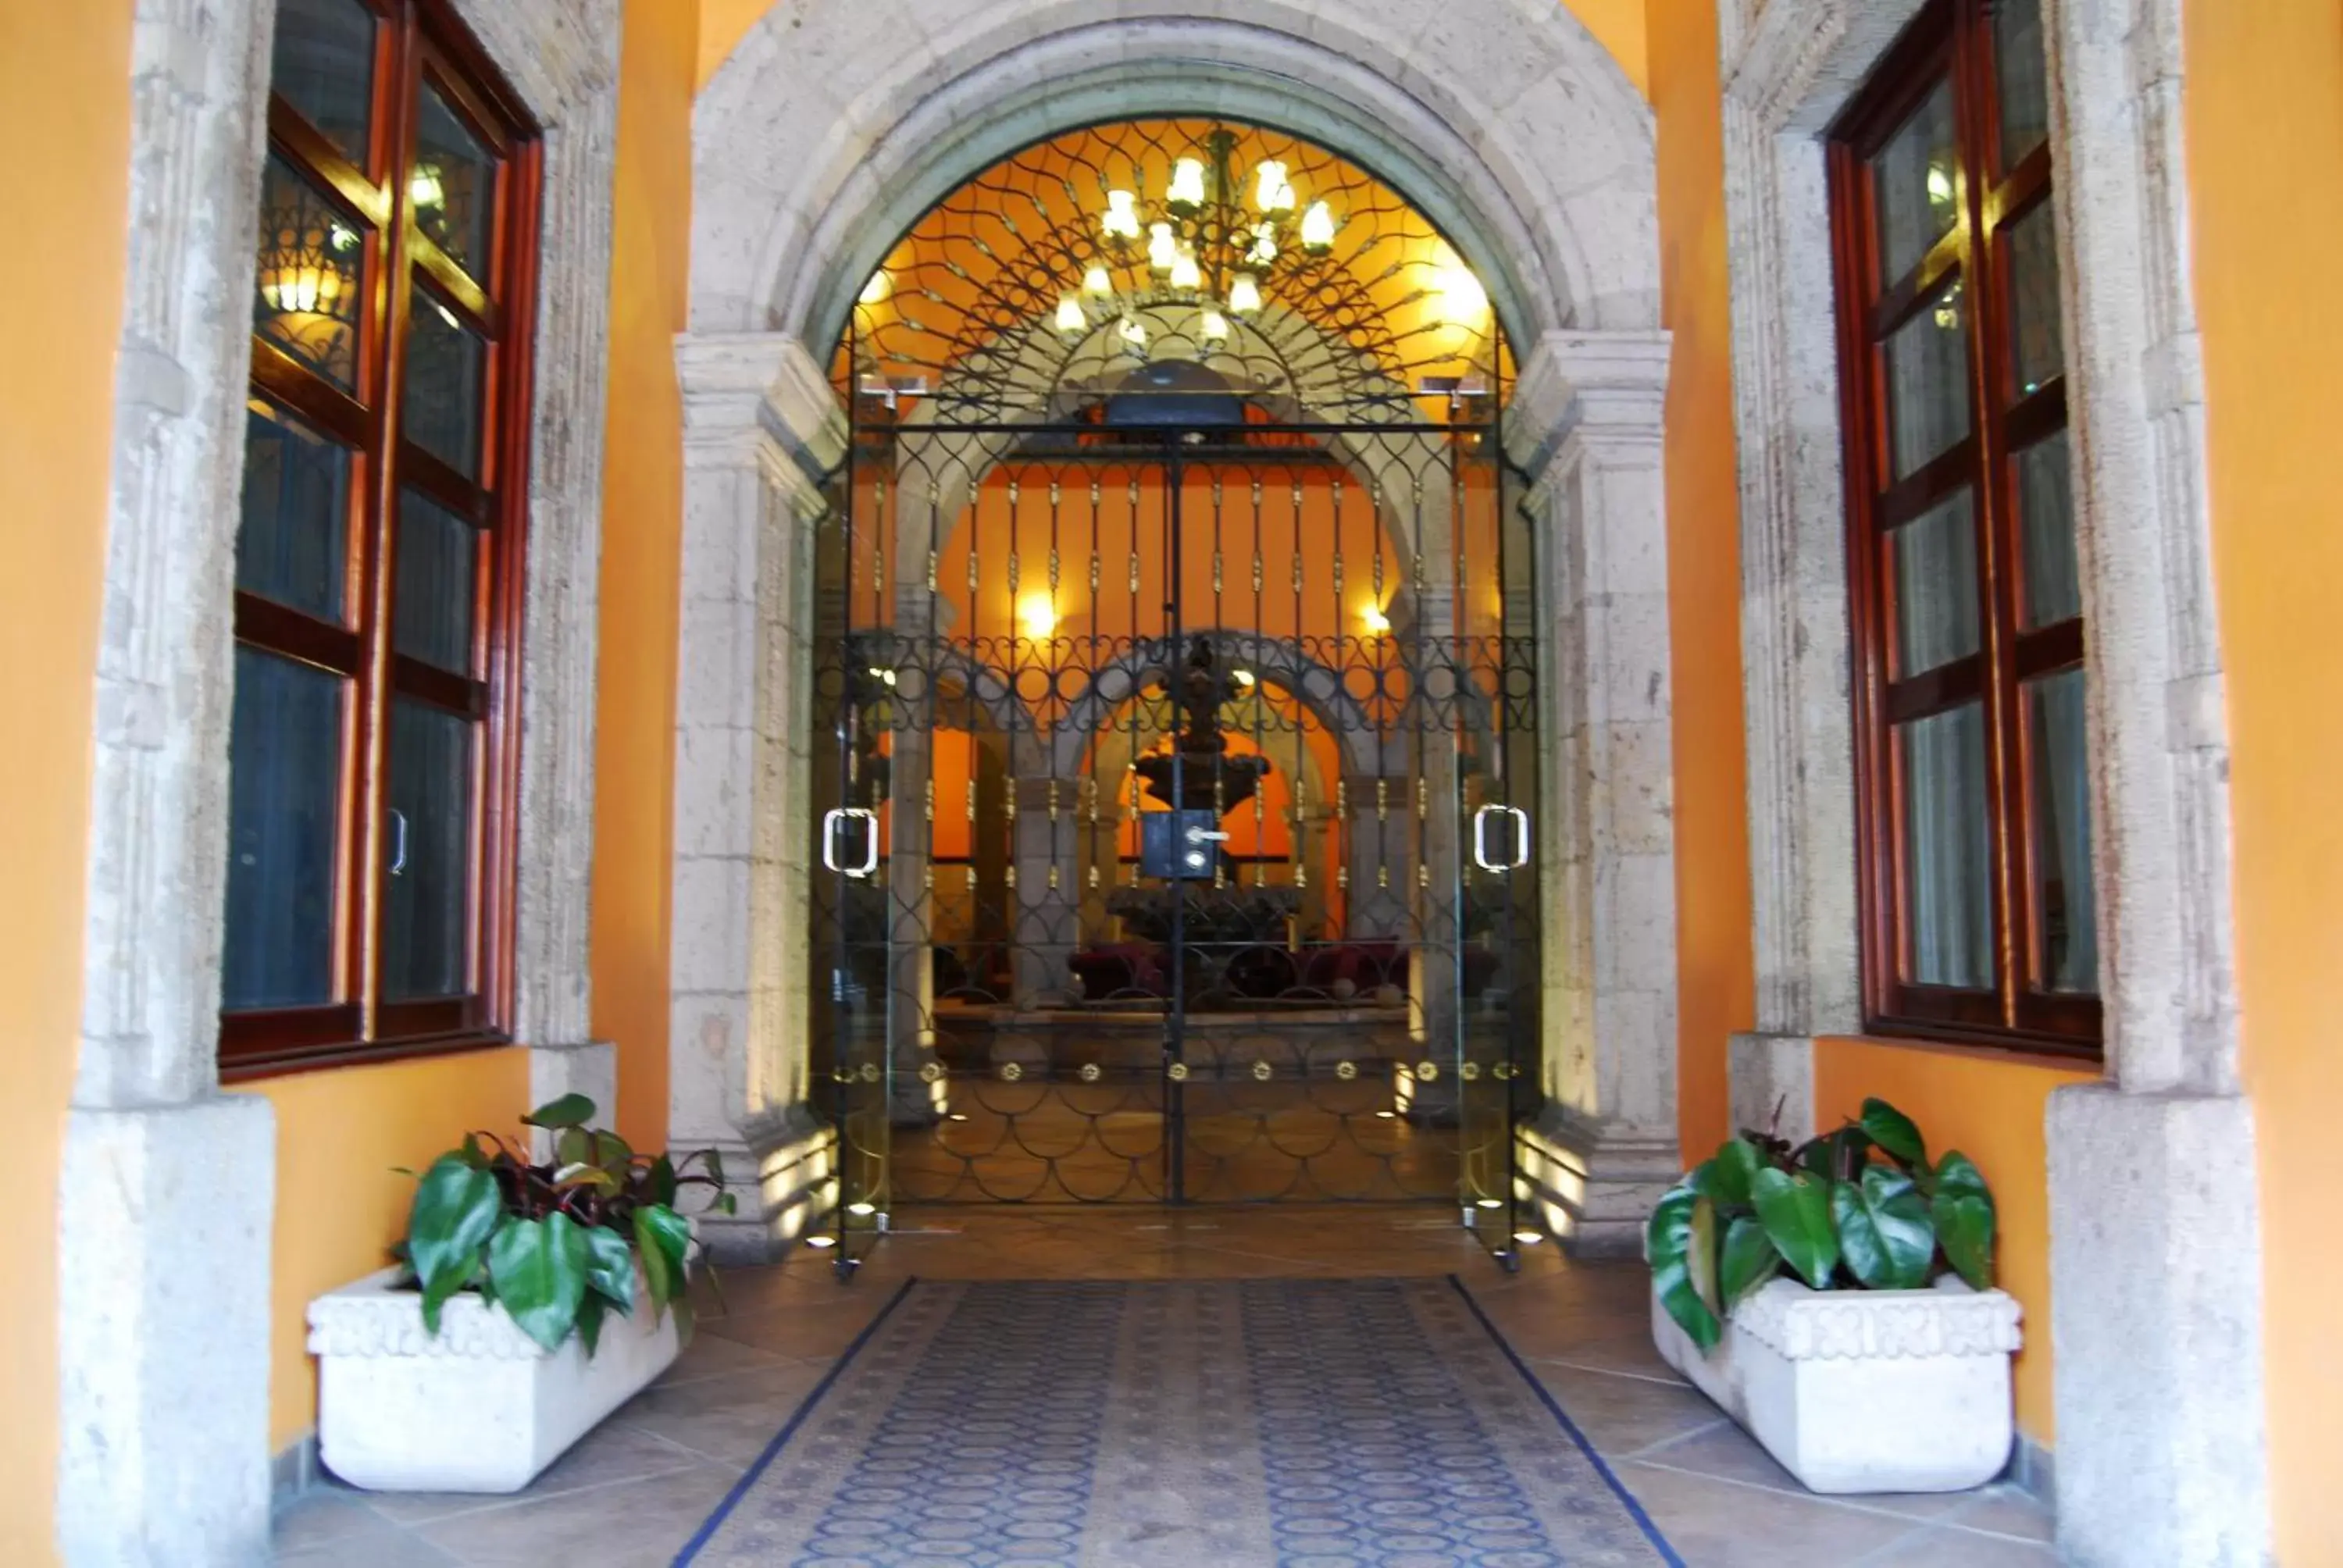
635	1491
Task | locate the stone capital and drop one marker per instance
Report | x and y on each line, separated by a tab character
752	397
1607	390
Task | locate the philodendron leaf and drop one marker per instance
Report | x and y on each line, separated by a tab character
456	1211
1884	1230
661	1237
1748	1260
590	1308
1700	1255
569	1110
540	1268
1963	1213
1796	1213
1732	1171
1701	1177
610	1266
1894	1131
1667	1241
662	1180
572	1146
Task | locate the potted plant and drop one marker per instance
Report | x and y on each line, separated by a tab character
1837	1300
531	1298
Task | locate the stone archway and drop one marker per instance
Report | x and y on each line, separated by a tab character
829	132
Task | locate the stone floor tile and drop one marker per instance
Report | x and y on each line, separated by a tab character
330	1514
611	1453
712	1355
386	1545
1623	1414
1949	1546
1730	1453
802	1331
632	1524
1718	1524
2004	1509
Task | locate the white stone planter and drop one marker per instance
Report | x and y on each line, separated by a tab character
479	1407
1863	1391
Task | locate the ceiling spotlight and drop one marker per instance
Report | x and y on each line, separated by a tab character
1528	1238
821	1241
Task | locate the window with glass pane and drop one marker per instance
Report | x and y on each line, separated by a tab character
1973	757
369	774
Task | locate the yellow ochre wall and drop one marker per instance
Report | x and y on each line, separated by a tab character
340	1201
2263	114
1989	1106
1716	987
1617	23
642	532
59	66
340	1204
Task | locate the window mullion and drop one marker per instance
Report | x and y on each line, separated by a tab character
373	848
1973	119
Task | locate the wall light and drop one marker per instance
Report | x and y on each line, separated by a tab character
1372	618
1463	301
1037	614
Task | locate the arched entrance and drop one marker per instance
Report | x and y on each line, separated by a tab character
819	148
1174	482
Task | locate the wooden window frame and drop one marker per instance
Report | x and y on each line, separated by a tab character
1950	40
415	41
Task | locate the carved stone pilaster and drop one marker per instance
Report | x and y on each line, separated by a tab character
761	433
1586	422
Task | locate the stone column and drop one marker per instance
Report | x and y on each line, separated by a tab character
1046	923
1586	422
761	427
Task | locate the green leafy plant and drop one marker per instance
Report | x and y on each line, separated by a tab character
1862	1207
558	1243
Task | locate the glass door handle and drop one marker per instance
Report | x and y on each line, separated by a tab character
1521	856
830	822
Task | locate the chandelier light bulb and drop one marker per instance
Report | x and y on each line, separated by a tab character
1214	326
1070	319
1187	192
1121	218
1163	250
875	291
1133	332
1263	250
1186	275
1096	283
1273	192
1318	228
1244	294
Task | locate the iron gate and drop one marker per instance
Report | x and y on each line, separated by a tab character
1177	828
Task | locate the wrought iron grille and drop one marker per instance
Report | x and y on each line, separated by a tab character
1177	702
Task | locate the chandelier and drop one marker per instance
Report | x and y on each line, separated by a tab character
1217	238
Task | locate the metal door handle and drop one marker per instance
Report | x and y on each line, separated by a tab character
830	825
1480	837
398	843
1205	836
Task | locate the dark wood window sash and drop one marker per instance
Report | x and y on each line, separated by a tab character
1952	39
415	41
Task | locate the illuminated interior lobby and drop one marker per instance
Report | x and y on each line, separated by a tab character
1180	658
